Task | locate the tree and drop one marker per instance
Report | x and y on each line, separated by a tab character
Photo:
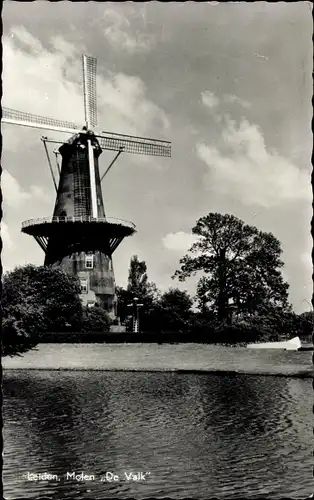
306	323
240	264
138	286
35	300
123	298
173	312
137	279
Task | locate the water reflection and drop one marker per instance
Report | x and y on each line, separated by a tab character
197	435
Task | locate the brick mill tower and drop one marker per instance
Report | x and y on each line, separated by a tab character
79	237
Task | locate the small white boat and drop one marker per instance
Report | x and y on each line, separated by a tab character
289	345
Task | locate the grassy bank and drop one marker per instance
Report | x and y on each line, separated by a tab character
166	357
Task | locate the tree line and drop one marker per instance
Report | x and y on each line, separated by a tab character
241	295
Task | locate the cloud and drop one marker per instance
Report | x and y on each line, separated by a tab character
65	48
39	193
34	79
26	40
179	241
245	169
124	98
118	32
209	99
231	98
15	196
306	260
7	241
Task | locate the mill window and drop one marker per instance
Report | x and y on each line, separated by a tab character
83	283
89	261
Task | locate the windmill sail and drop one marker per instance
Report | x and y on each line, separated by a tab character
43	122
89	85
133	144
90	108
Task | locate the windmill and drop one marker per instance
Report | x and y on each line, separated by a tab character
79	237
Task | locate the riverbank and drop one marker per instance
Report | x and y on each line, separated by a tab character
166	357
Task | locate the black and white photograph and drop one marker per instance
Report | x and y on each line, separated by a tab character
157	275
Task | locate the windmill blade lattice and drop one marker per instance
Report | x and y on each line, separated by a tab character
30	120
131	144
89	85
135	145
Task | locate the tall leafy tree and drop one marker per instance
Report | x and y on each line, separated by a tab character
35	300
138	286
171	313
240	265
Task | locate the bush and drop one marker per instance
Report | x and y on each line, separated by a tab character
21	329
270	324
95	319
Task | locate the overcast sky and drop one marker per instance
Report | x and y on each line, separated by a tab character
229	84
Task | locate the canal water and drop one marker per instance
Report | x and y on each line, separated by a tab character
196	436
